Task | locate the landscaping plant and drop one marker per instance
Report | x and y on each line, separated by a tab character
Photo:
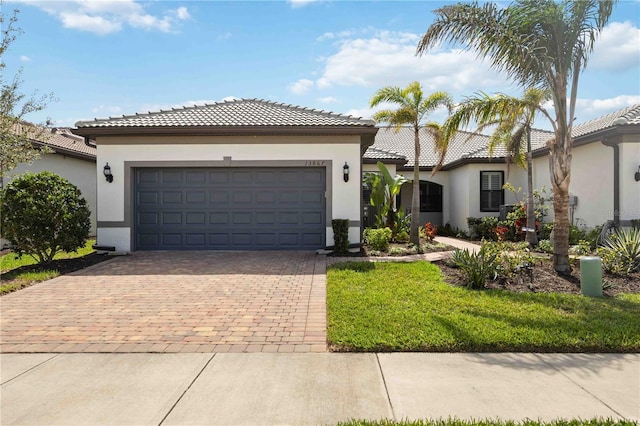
43	214
476	267
621	252
377	239
340	236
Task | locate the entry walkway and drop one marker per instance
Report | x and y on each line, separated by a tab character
313	389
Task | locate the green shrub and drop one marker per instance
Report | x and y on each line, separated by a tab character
621	252
402	236
576	234
510	258
593	236
340	236
43	214
398	251
545	231
483	228
545	246
378	239
476	267
581	249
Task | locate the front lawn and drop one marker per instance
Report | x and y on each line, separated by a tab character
408	307
489	422
21	272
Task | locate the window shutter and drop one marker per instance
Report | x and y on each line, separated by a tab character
491	181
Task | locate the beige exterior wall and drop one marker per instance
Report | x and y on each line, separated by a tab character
81	173
629	188
114	218
465	191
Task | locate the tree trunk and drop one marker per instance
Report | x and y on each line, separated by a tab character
561	230
414	234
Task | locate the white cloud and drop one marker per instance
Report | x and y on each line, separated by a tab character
328	100
301	3
301	87
25	58
106	110
109	16
617	48
331	36
586	109
225	36
388	58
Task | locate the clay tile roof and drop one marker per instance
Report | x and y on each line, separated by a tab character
235	113
626	116
64	139
374	153
58	139
401	141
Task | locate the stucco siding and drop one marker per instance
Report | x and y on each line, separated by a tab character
591	183
629	188
124	154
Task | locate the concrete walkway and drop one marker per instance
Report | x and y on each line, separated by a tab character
300	389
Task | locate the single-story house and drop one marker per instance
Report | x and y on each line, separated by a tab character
246	174
251	174
68	157
605	172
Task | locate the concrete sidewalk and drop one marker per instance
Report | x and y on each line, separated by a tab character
324	388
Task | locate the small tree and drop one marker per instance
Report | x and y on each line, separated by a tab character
43	214
16	135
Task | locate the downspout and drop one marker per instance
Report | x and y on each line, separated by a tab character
616	179
87	142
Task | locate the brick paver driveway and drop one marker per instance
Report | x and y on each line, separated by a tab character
175	302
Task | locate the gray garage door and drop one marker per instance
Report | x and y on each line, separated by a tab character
229	208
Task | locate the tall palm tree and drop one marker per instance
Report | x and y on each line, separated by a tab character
539	43
512	118
413	106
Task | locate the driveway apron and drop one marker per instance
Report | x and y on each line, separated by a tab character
174	302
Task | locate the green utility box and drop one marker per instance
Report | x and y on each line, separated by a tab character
591	276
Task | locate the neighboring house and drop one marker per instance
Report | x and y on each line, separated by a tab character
246	174
70	158
470	182
605	171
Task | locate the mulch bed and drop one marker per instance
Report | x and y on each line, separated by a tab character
64	266
546	280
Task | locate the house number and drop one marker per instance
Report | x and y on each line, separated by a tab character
314	163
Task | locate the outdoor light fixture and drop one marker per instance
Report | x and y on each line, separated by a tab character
107	173
345	172
637	175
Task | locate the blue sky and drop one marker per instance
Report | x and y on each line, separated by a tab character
108	58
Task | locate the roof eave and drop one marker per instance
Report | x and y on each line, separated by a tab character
93	132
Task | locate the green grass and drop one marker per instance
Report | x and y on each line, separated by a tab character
9	261
407	307
21	272
488	422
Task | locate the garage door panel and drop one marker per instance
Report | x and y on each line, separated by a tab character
171	240
170	218
171	177
172	197
195	177
265	218
195	197
195	239
219	197
247	209
218	218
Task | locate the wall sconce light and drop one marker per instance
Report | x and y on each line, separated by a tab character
107	173
637	175
345	172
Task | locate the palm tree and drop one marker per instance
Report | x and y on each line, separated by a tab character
539	43
513	119
413	106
